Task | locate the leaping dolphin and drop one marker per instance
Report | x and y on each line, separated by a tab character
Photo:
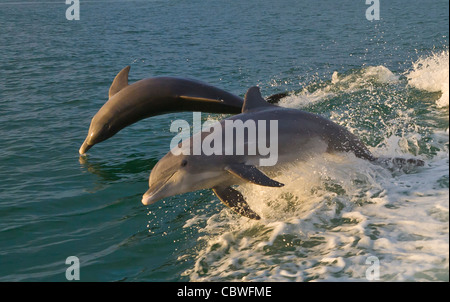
128	104
300	134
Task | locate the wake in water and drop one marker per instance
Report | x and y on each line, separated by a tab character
337	212
429	74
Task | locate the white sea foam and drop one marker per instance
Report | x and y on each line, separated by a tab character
324	225
339	84
360	79
336	211
305	98
431	73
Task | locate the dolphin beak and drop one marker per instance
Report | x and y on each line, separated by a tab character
84	148
149	198
157	191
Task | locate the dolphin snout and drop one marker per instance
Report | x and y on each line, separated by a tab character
159	189
149	198
84	148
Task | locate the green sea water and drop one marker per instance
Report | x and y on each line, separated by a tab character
385	80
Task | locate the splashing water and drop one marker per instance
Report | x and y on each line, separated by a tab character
432	74
337	211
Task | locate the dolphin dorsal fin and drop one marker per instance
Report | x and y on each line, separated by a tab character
120	81
253	99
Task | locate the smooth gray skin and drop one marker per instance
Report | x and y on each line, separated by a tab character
128	104
300	135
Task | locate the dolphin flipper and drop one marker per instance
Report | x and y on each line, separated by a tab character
235	201
199	99
251	174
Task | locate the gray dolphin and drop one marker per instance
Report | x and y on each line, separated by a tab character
128	104
300	134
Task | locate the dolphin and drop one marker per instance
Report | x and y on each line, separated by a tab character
300	135
128	104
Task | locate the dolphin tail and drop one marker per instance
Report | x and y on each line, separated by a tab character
235	201
275	98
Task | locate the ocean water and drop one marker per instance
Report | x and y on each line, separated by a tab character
338	218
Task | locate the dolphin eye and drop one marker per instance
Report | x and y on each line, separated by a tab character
183	163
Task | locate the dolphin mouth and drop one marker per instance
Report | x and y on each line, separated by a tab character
152	196
84	148
148	198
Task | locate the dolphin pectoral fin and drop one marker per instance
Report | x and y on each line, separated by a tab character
235	201
199	99
120	81
252	174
